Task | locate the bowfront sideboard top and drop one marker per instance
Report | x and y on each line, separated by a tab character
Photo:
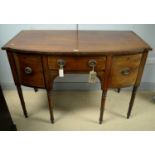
81	42
37	57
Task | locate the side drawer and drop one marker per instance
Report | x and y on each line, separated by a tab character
30	70
76	63
124	70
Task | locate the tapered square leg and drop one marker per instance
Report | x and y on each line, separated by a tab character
104	94
132	101
50	104
22	100
118	90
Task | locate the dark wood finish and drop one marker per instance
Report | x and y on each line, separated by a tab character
50	104
22	100
34	79
72	63
132	100
6	123
104	86
120	59
118	90
36	89
103	99
137	83
120	64
65	42
16	80
48	76
141	68
13	67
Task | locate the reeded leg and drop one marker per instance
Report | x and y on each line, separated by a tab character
132	100
104	94
118	90
22	100
50	104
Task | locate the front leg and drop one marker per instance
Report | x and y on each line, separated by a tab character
118	90
132	100
50	104
104	94
22	100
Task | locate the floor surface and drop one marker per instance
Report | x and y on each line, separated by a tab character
79	110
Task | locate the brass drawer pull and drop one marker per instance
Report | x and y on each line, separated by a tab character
28	70
92	63
61	62
125	71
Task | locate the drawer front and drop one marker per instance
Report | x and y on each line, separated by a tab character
76	63
30	70
124	70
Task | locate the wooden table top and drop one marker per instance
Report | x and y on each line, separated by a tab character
67	41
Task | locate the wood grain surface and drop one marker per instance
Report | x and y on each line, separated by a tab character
66	42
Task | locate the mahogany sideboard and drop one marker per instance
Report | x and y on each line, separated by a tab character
118	58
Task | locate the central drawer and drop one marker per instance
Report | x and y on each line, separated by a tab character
78	63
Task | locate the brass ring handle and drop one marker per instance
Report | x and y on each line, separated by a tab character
92	63
28	70
125	71
61	62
